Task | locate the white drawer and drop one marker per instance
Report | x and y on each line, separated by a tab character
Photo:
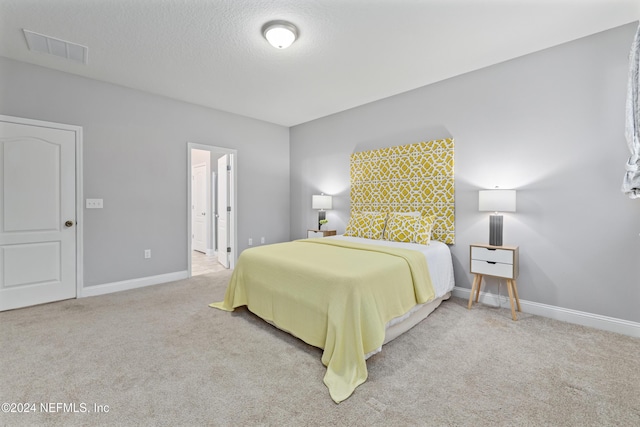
311	234
495	255
493	268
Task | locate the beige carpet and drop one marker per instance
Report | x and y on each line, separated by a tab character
160	356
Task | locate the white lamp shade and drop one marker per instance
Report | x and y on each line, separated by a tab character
321	202
497	200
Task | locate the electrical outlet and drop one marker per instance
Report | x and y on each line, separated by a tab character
250	241
147	253
262	240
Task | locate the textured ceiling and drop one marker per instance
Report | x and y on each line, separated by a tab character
350	52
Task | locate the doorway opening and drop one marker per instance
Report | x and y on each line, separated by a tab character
212	213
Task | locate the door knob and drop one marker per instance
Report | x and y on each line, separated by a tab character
68	223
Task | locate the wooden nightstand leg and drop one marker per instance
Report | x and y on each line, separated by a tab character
515	291
479	285
510	289
473	290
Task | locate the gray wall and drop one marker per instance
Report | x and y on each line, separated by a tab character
551	125
135	158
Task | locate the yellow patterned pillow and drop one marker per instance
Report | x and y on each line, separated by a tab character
425	225
354	225
401	227
366	224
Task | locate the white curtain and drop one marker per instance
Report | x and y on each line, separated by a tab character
631	183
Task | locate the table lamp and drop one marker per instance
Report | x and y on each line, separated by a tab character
496	201
321	202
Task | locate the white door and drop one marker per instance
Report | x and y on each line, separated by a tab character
223	210
37	215
212	209
200	208
231	214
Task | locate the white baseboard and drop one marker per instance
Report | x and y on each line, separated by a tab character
597	321
125	285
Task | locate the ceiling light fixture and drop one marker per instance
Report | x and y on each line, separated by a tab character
280	34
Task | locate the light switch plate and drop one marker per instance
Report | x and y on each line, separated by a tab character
94	203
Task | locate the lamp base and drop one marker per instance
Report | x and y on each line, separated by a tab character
322	215
495	230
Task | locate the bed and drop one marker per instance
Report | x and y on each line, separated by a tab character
345	295
351	294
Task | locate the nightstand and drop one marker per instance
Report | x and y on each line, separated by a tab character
320	233
496	261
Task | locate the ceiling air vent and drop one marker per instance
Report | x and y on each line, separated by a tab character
45	44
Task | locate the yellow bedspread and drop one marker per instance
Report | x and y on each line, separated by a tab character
332	294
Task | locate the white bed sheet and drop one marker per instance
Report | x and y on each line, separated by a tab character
438	257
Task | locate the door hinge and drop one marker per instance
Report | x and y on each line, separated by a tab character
228	167
229	249
228	208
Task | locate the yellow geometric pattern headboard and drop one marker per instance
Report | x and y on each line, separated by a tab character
408	178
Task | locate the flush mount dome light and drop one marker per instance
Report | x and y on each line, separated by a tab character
280	34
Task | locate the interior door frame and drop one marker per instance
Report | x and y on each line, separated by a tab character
79	189
234	197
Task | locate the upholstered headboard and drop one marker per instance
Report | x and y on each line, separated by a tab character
408	178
